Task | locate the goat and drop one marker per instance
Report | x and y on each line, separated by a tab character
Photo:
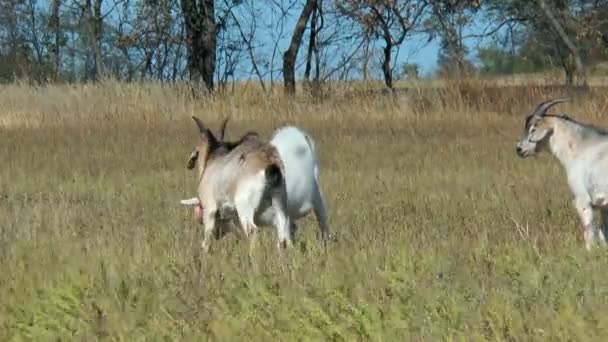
583	152
297	152
246	179
221	147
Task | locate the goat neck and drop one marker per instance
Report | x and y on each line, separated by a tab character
567	140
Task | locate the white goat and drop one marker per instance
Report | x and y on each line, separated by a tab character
246	179
300	162
297	150
583	152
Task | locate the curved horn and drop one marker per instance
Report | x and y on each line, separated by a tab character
543	107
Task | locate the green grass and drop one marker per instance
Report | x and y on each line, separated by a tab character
443	233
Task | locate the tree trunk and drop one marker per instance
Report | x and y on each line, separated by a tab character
199	17
178	56
574	54
366	58
94	21
569	77
457	53
311	43
97	30
386	64
289	57
55	27
570	70
208	43
312	52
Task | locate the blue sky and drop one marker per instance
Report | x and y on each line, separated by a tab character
416	51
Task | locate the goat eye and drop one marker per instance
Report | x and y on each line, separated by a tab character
532	130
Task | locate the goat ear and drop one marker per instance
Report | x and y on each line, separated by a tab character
192	160
206	133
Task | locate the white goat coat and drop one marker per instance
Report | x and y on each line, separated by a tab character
300	162
588	174
301	169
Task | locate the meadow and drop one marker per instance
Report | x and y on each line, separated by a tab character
442	232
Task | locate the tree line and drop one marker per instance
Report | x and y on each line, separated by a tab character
213	43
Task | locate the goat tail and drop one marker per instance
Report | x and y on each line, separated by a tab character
275	172
274	176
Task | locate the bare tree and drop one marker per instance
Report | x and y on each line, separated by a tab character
448	20
573	63
36	37
15	56
289	57
248	39
388	20
54	26
201	39
316	25
91	10
279	12
125	40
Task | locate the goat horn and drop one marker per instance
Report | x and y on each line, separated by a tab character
205	131
223	128
543	107
200	124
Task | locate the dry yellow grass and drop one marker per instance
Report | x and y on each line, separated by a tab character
443	233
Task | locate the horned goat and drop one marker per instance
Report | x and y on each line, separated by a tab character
246	179
583	152
297	151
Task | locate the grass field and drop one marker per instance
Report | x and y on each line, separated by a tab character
443	233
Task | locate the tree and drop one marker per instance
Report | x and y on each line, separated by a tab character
201	39
448	20
289	57
410	70
316	25
570	55
566	29
496	60
55	27
388	20
90	33
95	21
23	41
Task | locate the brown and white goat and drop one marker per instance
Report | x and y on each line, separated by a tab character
245	178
